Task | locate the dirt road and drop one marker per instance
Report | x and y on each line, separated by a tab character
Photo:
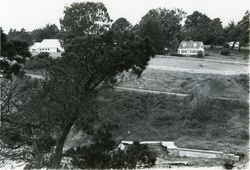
169	93
190	65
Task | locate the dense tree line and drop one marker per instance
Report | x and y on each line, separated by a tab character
165	29
200	27
163	26
50	31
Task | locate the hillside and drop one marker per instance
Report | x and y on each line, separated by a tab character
223	126
229	86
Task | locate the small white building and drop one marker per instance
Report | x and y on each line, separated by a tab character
47	45
191	47
236	44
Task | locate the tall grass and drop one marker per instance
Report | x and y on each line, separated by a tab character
200	102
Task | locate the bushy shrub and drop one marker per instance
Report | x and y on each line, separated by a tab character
242	156
40	61
102	153
163	52
225	45
200	54
138	155
200	103
42	55
229	164
225	52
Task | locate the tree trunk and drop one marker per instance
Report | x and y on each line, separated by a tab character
59	146
233	45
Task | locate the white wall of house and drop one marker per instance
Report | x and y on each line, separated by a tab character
48	49
189	51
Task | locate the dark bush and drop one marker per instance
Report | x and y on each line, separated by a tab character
42	55
225	52
102	153
225	45
162	52
135	156
241	155
229	164
200	54
139	153
40	61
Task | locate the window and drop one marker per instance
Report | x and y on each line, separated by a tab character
183	51
184	45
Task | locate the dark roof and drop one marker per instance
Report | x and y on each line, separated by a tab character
191	44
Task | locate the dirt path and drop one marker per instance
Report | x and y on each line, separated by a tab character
198	66
168	93
151	91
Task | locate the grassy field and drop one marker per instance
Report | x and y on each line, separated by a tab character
222	126
214	53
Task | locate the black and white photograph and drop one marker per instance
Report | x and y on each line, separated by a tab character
124	84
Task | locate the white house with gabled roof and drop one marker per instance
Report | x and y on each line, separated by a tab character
191	47
47	45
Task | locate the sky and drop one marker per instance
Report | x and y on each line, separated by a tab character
32	14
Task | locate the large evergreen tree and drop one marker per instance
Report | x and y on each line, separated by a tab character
197	27
244	27
66	98
163	27
216	34
121	28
